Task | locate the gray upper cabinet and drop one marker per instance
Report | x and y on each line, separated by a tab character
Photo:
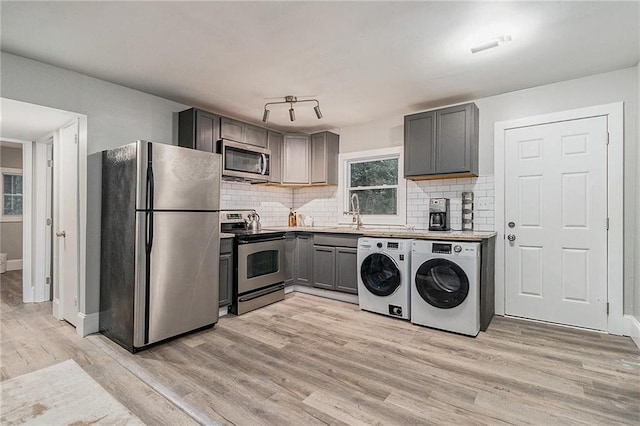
243	132
275	146
324	158
442	142
198	129
295	159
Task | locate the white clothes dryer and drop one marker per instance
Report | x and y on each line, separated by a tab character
384	276
445	288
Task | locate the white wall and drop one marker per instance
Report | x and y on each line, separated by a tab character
636	298
579	93
116	115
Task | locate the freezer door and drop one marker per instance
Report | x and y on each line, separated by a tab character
177	286
179	178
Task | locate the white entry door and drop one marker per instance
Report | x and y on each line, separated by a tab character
66	221
556	217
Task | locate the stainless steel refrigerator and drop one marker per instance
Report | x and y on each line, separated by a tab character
160	242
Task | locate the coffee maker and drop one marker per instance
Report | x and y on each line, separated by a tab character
439	214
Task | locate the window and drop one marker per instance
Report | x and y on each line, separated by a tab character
376	178
11	195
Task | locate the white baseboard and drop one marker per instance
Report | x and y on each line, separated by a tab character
14	265
329	294
88	323
632	329
57	313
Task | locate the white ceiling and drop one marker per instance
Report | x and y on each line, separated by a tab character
361	60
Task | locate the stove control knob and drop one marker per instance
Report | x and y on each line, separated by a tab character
379	245
457	249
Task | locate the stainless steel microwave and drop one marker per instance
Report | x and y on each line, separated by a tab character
244	162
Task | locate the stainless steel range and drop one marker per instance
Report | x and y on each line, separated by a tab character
258	263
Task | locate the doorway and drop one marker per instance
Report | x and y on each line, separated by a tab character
558	188
63	134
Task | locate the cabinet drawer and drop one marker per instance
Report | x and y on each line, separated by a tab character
336	240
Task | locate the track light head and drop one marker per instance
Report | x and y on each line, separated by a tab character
265	116
318	112
292	114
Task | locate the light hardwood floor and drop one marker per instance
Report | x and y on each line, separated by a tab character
309	360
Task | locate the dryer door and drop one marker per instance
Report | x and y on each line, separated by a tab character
442	283
380	274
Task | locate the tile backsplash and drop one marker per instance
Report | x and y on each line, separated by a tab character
321	202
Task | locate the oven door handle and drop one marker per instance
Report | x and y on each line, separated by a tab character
241	240
260	293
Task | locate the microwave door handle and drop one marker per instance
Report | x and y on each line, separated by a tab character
264	164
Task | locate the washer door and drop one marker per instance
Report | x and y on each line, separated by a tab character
380	274
442	283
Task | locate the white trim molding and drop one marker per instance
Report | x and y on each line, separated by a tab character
632	329
14	265
615	182
371	155
88	323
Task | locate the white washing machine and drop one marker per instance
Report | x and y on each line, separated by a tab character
384	276
445	287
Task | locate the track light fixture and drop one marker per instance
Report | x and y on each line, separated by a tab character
292	114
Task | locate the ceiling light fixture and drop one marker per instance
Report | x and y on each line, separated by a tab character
490	44
292	114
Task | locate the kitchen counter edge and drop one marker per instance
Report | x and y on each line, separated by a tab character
415	234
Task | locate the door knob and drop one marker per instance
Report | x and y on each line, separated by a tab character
61	234
511	237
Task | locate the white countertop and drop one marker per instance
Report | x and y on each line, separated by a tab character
393	233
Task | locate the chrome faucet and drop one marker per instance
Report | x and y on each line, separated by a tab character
355	210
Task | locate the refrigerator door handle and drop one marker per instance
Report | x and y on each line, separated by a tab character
148	241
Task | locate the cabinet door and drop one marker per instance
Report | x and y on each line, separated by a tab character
226	278
275	146
207	131
289	258
318	158
255	135
324	267
304	253
453	141
347	269
419	144
232	129
295	160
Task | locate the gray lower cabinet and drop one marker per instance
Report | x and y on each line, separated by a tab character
324	267
226	271
198	129
347	269
289	258
304	259
441	142
335	265
295	160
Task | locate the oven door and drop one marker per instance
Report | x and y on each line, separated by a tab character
246	162
260	263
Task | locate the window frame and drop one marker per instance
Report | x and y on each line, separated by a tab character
345	159
14	172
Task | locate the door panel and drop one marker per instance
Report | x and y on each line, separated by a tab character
67	222
184	179
556	195
183	274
